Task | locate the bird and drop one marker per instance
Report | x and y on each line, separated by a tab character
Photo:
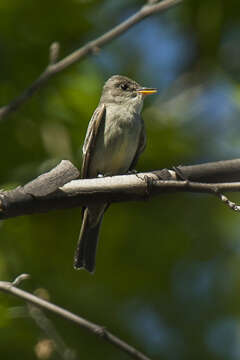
114	140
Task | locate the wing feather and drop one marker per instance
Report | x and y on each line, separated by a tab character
90	139
141	146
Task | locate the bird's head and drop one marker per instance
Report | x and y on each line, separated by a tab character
120	89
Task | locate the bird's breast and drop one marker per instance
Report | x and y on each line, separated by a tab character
117	142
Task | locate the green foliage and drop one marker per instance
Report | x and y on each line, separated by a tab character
167	269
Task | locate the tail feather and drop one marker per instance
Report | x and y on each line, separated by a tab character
85	256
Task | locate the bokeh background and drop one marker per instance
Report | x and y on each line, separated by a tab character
167	278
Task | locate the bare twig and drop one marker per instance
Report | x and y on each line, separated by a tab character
54	53
229	203
48	328
98	330
20	278
55	67
55	190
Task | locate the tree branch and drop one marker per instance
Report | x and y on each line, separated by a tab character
229	203
58	188
46	325
98	330
55	67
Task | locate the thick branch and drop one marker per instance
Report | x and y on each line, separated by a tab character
93	328
48	191
55	67
219	171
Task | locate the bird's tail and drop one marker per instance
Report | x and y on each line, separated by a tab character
85	255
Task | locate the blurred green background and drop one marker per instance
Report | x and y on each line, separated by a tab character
167	278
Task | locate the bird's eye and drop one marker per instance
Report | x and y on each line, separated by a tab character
124	86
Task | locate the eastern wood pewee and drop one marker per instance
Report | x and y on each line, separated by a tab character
115	138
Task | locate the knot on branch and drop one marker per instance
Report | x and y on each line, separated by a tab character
100	331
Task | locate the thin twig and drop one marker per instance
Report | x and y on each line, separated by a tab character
55	67
54	53
229	203
98	330
48	328
20	278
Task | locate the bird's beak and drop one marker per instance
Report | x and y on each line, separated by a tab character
147	91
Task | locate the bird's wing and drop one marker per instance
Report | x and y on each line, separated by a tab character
141	146
91	136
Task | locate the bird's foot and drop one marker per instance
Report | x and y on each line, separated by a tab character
130	172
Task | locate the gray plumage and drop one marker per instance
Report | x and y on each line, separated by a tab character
115	138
